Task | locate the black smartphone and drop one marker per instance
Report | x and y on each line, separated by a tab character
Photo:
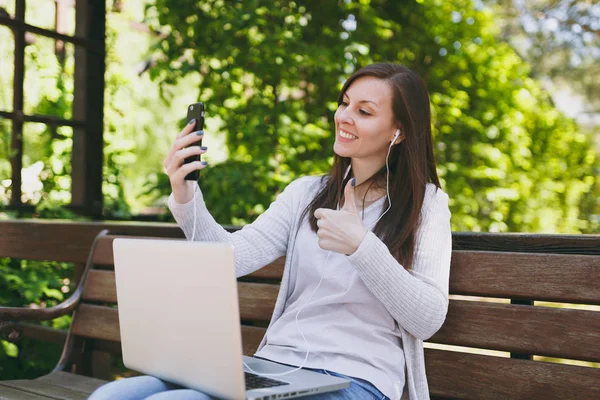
195	111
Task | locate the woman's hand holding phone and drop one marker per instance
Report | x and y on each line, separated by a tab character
176	169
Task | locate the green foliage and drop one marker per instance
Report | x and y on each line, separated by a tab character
27	282
271	71
33	284
267	79
29	359
561	38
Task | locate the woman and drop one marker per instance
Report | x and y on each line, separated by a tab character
368	281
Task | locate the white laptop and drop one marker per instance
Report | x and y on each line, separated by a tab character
179	320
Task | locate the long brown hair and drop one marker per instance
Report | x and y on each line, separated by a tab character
411	163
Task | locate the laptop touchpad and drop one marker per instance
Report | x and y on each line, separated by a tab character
267	366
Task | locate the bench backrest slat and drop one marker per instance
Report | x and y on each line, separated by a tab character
102	322
103	257
96	322
40	239
256	300
544	331
100	287
69	241
549	277
472	376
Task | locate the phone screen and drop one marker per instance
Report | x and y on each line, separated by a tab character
196	111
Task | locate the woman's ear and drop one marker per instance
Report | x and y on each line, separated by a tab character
398	136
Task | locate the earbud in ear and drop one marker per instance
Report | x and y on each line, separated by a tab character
396	135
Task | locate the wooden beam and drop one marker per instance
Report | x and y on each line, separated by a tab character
44	119
16	147
88	105
16	24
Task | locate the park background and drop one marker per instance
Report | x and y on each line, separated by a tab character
514	93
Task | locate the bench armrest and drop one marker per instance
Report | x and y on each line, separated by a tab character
39	314
8	315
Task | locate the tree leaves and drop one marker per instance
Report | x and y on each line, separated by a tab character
274	68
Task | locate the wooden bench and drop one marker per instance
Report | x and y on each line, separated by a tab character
497	282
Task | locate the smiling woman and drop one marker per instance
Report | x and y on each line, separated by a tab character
359	292
375	103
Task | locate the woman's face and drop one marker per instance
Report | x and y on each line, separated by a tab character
364	121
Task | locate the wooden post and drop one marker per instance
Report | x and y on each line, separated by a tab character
16	148
101	365
90	20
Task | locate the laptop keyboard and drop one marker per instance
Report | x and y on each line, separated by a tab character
260	382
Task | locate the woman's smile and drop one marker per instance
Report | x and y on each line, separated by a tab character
345	137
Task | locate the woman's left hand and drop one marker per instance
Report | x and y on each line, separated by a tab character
341	231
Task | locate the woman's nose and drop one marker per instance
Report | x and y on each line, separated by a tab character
344	116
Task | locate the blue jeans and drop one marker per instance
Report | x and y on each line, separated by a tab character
151	388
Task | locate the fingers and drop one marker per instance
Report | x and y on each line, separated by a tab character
180	174
179	157
181	143
187	129
322	243
184	142
320	213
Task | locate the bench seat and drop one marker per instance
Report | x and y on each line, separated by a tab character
58	385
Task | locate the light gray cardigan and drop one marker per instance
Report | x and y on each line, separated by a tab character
418	300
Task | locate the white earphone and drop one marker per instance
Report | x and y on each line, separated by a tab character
396	135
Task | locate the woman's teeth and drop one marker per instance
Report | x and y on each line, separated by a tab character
347	135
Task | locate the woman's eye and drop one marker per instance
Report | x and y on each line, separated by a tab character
344	103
